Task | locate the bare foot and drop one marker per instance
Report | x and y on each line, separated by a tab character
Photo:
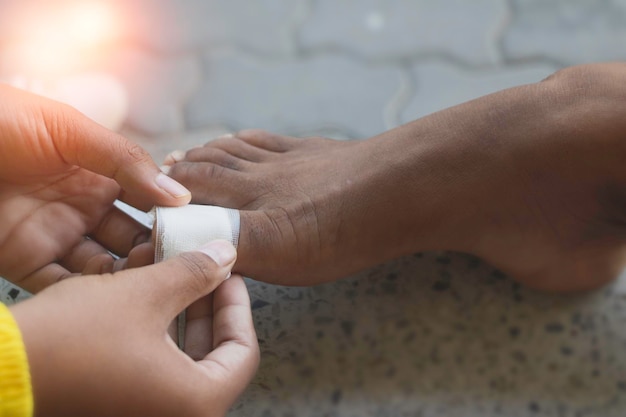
532	179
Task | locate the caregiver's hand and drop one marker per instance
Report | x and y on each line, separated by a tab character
60	173
98	345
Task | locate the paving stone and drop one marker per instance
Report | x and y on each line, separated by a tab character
440	85
173	25
156	86
399	28
570	31
318	92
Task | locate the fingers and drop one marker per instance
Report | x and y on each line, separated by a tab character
98	265
173	285
82	142
199	328
141	255
236	355
89	258
120	233
82	253
44	277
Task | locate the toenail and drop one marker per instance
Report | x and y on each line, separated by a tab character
176	156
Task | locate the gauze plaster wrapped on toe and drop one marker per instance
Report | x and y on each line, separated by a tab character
183	229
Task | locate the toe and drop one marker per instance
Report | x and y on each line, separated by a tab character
268	141
215	151
213	184
173	157
239	149
217	156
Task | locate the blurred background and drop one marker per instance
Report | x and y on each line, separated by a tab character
430	335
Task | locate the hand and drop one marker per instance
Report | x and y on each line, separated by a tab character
60	173
98	345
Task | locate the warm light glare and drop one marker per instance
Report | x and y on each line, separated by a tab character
58	49
62	37
90	23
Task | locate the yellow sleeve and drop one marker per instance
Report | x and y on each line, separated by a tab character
16	398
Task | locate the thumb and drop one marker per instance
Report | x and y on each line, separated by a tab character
173	285
85	143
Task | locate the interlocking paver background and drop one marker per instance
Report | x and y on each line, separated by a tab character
345	69
433	335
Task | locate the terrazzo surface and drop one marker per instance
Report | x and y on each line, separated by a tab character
435	334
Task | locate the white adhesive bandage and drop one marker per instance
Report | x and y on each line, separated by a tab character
183	229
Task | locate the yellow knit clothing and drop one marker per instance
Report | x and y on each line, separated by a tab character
16	398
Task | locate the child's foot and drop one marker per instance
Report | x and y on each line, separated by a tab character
532	179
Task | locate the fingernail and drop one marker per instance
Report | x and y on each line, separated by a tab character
226	136
171	186
165	169
221	251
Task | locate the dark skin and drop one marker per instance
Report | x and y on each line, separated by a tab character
531	179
